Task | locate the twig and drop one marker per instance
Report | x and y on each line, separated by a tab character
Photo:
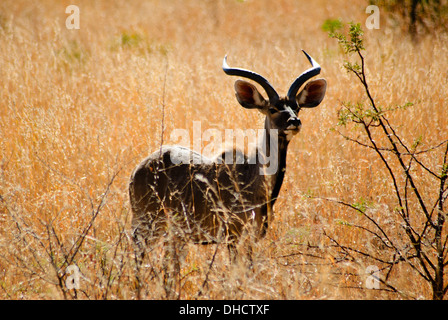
163	107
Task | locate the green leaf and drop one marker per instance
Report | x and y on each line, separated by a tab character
332	25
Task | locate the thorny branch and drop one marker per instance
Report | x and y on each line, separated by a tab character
50	241
430	243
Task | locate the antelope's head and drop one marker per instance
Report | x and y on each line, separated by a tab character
281	113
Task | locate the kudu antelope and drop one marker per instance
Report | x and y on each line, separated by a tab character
208	201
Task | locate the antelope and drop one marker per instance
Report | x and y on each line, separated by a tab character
209	201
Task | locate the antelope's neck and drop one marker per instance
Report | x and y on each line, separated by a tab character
272	161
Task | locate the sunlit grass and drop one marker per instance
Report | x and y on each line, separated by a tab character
80	108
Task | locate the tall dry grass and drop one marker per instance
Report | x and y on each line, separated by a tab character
80	108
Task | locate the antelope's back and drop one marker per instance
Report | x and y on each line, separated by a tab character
201	196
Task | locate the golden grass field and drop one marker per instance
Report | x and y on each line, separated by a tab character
79	109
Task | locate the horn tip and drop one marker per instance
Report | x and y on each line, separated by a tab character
224	63
311	60
306	54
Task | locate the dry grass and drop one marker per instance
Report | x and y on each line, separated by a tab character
80	108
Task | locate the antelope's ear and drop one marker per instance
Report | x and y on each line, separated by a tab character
313	94
248	95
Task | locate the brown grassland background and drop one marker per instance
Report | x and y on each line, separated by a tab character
80	108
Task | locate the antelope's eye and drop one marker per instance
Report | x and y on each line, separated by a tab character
272	110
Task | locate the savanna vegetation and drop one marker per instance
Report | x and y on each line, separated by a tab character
365	186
